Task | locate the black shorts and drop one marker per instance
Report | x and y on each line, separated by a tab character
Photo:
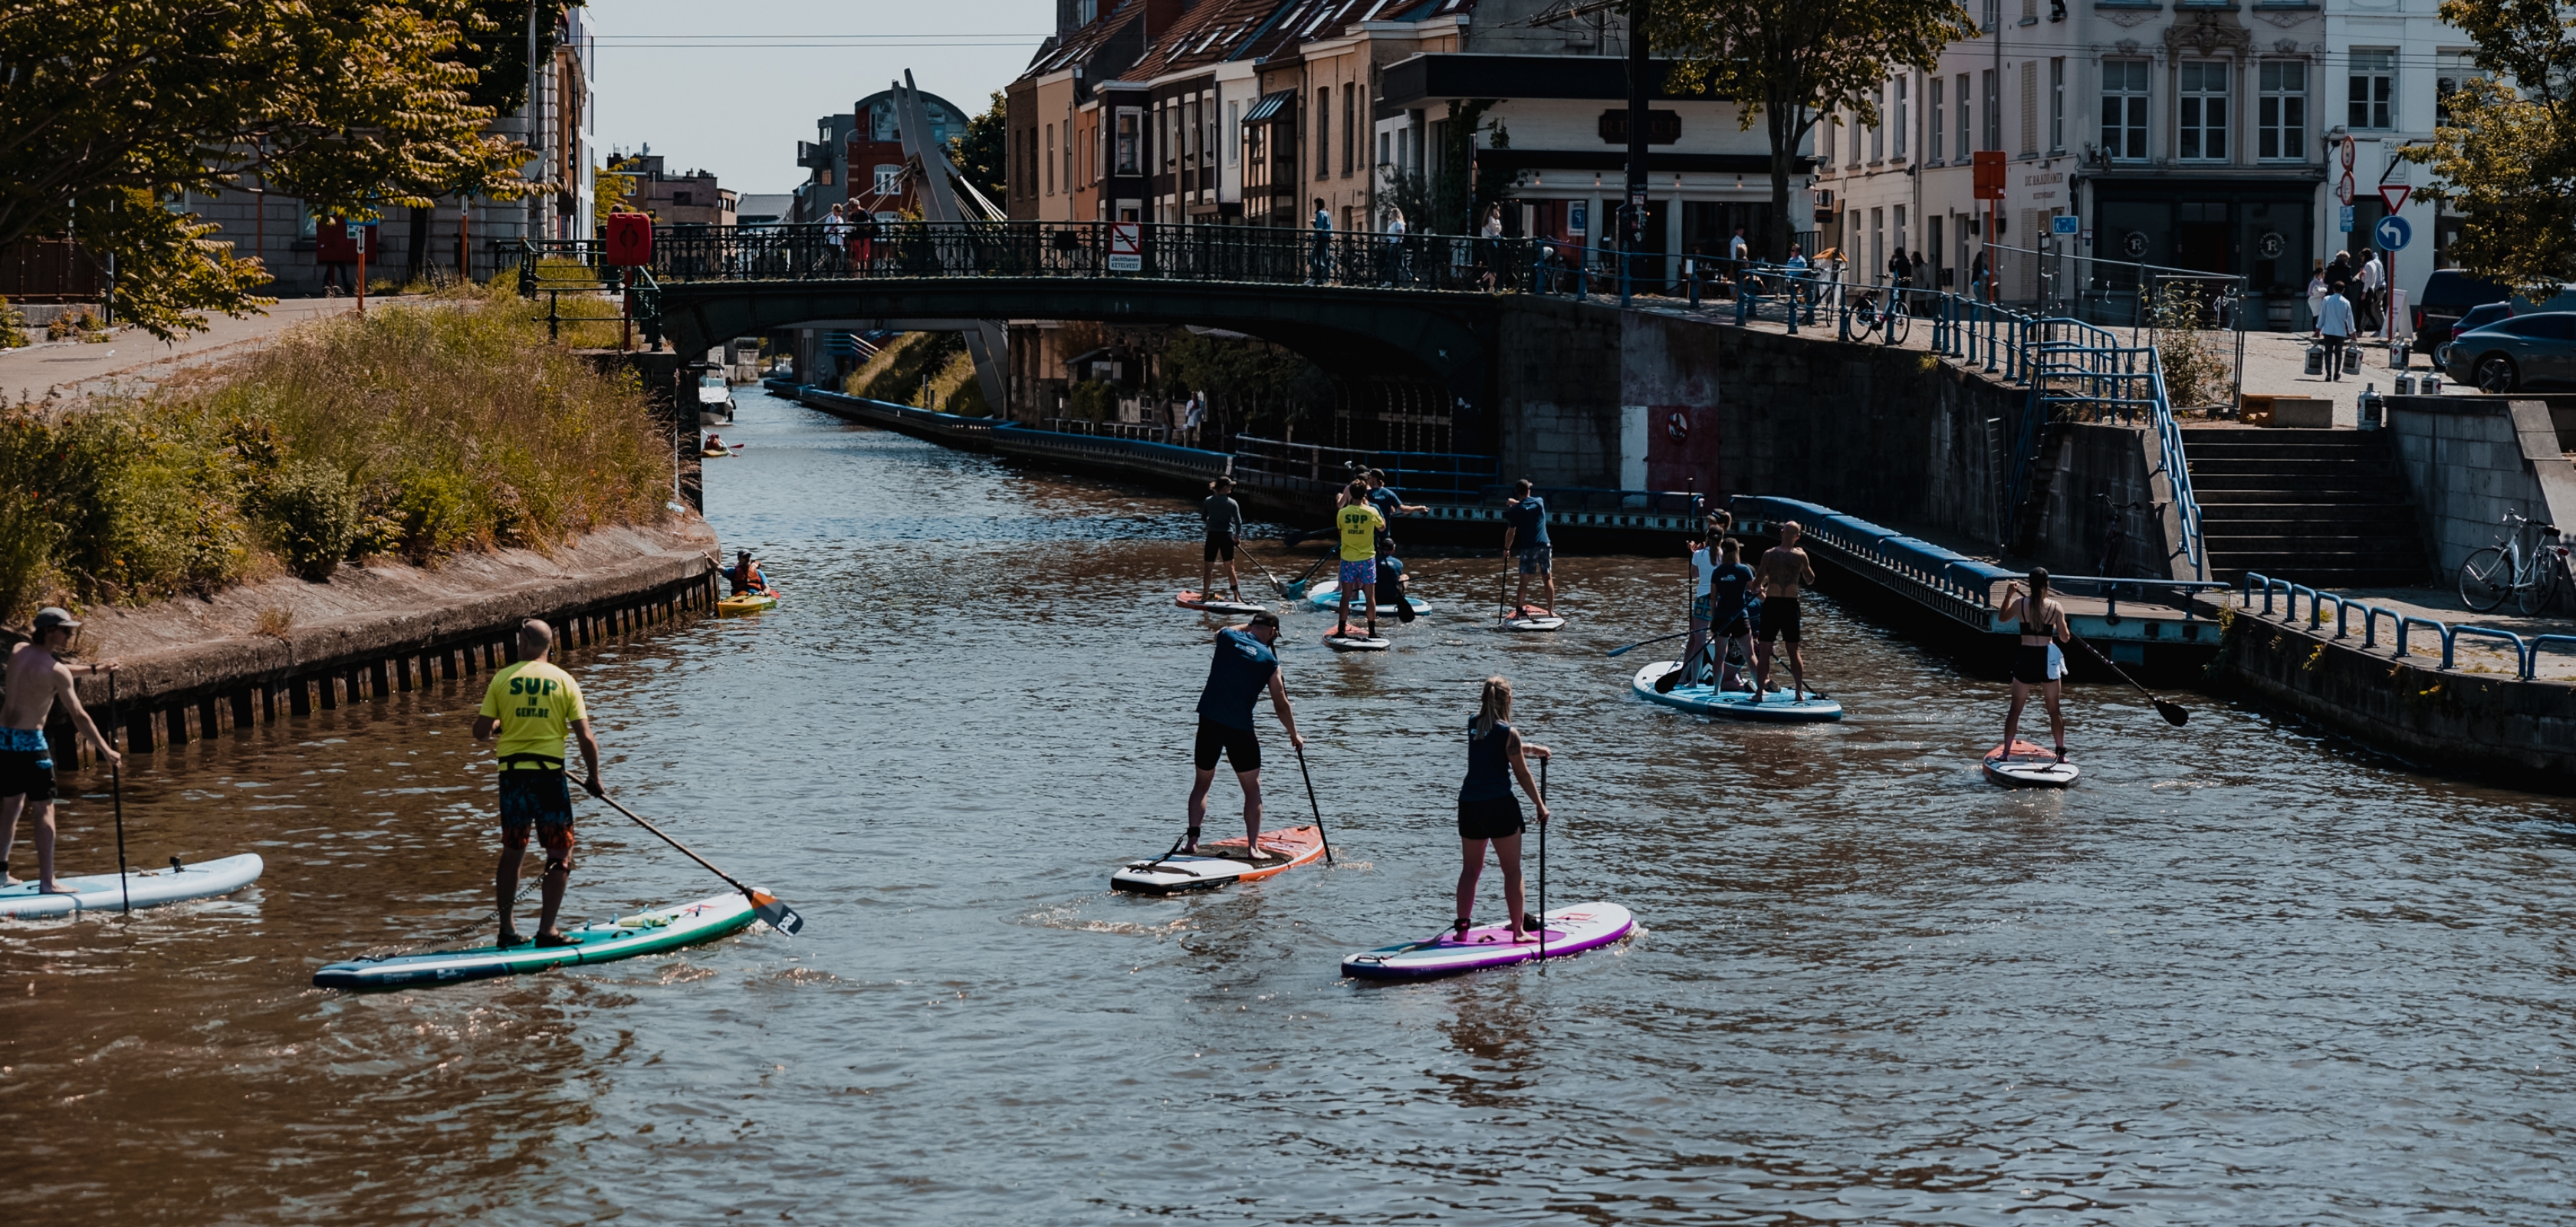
1738	627
1239	746
27	773
1220	549
2030	664
538	799
1491	818
1780	618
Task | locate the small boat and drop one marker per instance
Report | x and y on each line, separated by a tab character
1570	931
712	453
102	892
1221	862
1187	599
1327	594
2025	764
747	603
624	938
1775	707
715	397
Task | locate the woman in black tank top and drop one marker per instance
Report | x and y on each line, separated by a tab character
1487	811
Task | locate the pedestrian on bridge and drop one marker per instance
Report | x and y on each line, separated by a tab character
1319	266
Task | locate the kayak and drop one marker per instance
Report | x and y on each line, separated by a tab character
1570	931
1191	600
1532	620
100	892
1220	863
605	941
2026	764
1776	706
747	603
1327	594
712	453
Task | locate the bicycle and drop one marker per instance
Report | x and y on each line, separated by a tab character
2524	566
1889	321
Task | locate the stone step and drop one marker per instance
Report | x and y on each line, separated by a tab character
2364	517
2194	436
2375	464
2338	492
2285	451
2324	576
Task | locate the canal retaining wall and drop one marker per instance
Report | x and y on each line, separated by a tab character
192	668
2468	460
2455	722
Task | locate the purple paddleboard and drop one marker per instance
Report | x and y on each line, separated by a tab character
1570	930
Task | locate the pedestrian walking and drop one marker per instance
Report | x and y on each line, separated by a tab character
2334	330
1319	264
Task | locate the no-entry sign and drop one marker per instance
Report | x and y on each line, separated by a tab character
1126	247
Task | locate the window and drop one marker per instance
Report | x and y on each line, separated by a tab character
1993	96
2373	90
2029	108
2201	132
1932	130
2057	105
1825	141
1350	127
1902	117
1050	159
1234	132
2124	108
1964	146
1323	133
2281	110
889	179
1900	227
2449	69
1130	158
1878	131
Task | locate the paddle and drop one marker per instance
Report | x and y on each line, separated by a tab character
1297	587
1275	585
778	915
2175	714
1311	804
116	785
1542	869
1644	642
1502	591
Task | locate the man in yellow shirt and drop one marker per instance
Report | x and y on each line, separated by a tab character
531	706
1359	524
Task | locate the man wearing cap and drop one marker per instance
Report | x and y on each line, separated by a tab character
528	710
38	677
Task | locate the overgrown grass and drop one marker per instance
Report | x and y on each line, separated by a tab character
929	370
425	429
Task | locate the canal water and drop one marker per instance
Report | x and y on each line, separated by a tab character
2239	975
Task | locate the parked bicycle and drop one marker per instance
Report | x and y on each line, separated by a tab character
1889	320
2528	565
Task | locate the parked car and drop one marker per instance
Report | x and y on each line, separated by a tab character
2479	316
2448	295
2524	353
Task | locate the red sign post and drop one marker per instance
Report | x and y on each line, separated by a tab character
627	243
1989	169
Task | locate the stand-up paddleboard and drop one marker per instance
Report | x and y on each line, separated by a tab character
747	603
1531	618
2026	764
1327	594
1191	600
1358	643
101	892
605	941
1221	862
1776	706
1570	931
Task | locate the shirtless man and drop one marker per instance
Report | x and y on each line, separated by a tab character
2037	662
37	678
1782	573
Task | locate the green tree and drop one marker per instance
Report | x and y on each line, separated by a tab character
1791	62
2507	160
111	111
982	152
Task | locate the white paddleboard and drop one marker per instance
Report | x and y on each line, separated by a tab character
1191	600
1357	643
1777	706
2028	765
100	892
1534	622
1570	931
1328	595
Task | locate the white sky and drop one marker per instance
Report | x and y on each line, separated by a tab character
732	87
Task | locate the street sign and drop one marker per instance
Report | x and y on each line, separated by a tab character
2065	223
2394	195
2392	234
1989	171
1126	247
2347	219
2348	151
2086	238
2343	189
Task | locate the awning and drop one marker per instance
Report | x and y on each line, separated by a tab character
1270	107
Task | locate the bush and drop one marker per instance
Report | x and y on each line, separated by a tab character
13	326
311	516
1092	401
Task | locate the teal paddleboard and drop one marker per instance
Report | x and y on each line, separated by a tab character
605	941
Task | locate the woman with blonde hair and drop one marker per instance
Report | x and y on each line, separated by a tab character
1487	811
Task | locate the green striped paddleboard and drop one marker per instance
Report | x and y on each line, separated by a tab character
603	941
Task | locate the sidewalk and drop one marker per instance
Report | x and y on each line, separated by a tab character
131	357
2471	654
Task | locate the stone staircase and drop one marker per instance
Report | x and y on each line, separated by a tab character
2321	507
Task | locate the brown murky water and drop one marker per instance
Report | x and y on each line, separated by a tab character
2237	976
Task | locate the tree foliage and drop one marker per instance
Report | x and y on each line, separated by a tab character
982	152
2507	160
110	108
1789	63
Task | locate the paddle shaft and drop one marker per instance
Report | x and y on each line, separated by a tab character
2162	705
116	787
1644	642
685	850
1312	804
1542	868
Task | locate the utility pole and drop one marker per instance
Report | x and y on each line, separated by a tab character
1633	217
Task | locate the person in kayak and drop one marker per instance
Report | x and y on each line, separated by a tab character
37	678
1783	573
531	706
2037	661
1224	519
1525	537
1245	664
1358	524
1487	811
1390	569
745	576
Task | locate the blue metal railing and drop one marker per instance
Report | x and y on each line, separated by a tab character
2526	651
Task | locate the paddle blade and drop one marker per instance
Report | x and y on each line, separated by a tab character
1665	684
776	915
2174	713
1295	591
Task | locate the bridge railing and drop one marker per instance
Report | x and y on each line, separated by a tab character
1439	476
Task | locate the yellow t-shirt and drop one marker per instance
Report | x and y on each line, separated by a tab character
536	704
1359	523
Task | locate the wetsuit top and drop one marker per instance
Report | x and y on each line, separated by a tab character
1385	500
1729	585
1359	524
536	704
1528	521
1489	764
1236	678
1224	516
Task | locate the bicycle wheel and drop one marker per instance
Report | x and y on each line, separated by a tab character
2542	588
2485	579
1894	322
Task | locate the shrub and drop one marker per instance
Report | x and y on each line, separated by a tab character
13	326
311	516
1092	401
2197	371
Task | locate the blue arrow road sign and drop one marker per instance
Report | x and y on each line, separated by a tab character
2392	233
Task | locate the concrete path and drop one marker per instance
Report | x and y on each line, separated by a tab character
132	358
2471	653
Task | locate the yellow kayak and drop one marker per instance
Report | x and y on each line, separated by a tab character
747	603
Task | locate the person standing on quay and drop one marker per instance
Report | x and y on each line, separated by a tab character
2334	330
37	678
531	706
